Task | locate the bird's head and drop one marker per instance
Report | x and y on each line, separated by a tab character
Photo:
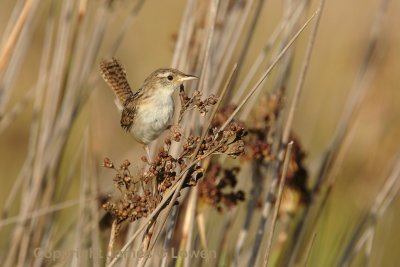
167	79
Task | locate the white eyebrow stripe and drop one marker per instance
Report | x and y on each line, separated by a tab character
165	74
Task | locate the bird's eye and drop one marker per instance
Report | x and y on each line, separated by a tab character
170	77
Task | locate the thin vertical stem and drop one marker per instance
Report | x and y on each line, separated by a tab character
278	201
113	237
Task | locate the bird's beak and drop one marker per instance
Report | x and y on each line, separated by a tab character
188	78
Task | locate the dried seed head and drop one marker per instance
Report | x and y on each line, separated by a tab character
144	159
108	163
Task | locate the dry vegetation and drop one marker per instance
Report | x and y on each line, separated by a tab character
232	182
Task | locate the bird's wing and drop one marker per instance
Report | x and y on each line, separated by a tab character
130	108
128	114
115	76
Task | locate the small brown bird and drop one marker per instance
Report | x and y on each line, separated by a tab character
149	111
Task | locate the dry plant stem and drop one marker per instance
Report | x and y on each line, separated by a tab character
277	165
169	233
270	196
223	244
34	131
147	236
257	168
256	181
131	261
15	14
49	220
201	225
366	241
48	195
46	165
383	199
278	201
189	225
228	51
163	220
113	237
95	228
70	106
259	60
243	116
292	108
9	75
309	249
303	72
84	190
187	228
58	72
264	76
30	198
230	21
53	171
203	83
12	39
243	53
283	73
40	86
355	98
185	31
41	212
356	94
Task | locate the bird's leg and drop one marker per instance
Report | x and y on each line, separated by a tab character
147	149
155	184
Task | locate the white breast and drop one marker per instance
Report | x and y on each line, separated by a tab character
153	118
